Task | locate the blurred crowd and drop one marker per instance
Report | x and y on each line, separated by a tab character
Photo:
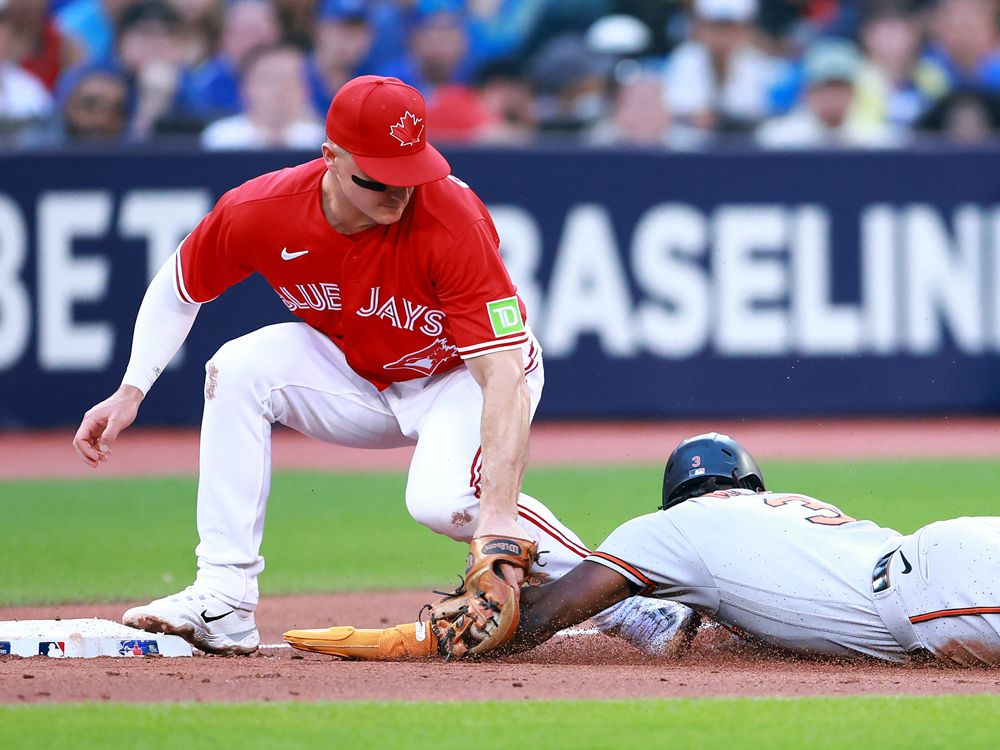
678	74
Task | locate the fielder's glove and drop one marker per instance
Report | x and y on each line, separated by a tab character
483	612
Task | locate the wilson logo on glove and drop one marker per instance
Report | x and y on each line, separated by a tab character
502	547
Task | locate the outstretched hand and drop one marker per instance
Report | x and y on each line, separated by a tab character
102	424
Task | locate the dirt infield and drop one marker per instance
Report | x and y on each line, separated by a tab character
586	666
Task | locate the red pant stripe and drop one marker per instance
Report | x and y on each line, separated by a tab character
475	473
532	364
531	517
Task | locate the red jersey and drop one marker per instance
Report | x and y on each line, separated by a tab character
46	62
402	301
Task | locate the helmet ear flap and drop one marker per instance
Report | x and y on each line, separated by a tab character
695	488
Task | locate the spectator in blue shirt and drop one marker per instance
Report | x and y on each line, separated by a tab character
94	104
965	42
342	44
92	24
438	50
212	89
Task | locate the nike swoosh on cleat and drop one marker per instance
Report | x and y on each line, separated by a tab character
285	255
206	618
906	563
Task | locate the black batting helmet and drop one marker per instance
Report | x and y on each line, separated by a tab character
705	463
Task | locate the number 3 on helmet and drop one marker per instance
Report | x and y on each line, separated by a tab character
705	463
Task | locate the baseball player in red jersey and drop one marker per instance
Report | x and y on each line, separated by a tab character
411	332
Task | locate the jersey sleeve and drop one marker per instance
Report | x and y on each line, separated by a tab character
641	580
209	260
485	315
161	325
653	552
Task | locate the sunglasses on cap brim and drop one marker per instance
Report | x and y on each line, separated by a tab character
378	187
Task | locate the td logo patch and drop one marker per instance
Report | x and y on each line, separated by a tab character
505	316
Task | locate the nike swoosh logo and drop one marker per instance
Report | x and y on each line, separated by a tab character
906	563
206	618
285	255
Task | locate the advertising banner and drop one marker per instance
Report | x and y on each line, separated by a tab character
660	285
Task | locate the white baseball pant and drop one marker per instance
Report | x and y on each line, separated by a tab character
944	592
292	374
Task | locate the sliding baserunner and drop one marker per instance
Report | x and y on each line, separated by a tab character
781	569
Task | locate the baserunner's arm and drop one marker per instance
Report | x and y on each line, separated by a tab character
580	594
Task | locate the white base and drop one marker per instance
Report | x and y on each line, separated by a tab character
85	639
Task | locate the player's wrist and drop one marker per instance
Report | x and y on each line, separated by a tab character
137	378
500	524
131	393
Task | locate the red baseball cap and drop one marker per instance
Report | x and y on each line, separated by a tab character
382	123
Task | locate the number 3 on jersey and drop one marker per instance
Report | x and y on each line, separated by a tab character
829	515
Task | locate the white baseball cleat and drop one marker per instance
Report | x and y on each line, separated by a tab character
199	618
654	626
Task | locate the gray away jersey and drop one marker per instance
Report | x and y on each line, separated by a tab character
784	569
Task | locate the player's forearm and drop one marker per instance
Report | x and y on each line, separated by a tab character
583	592
505	424
161	326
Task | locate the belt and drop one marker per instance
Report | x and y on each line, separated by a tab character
880	575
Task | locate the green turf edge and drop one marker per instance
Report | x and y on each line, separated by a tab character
882	722
133	539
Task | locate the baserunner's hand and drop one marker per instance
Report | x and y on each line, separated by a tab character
102	424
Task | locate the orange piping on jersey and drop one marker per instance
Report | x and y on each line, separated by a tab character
624	565
955	613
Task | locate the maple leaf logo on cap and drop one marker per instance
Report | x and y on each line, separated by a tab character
408	130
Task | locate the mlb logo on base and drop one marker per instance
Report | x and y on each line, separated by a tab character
54	649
